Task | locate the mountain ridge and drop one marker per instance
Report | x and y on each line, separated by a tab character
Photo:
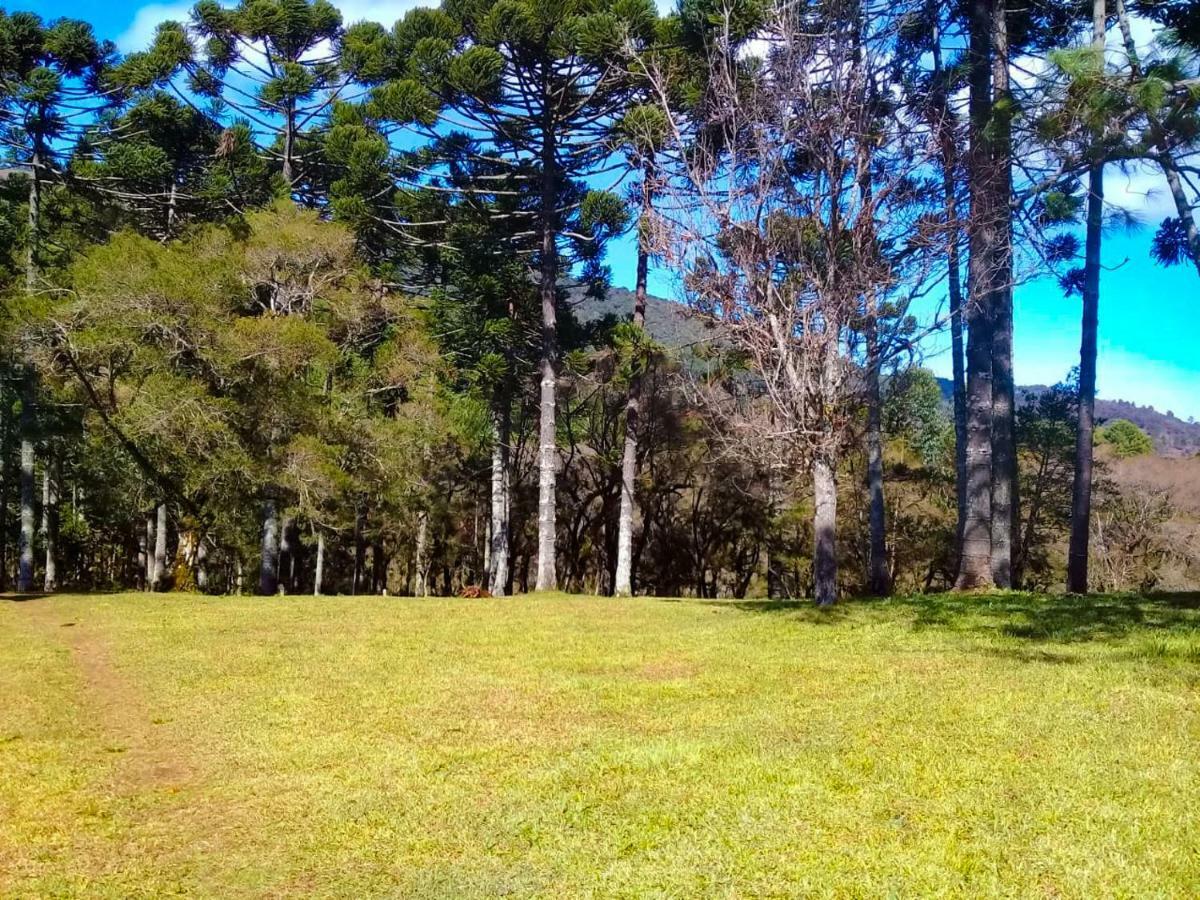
675	326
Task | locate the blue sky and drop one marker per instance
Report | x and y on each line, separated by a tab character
1149	319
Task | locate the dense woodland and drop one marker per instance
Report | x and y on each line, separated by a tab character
298	304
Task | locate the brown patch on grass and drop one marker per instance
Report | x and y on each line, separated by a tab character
668	668
144	757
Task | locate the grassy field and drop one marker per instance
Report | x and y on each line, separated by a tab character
577	747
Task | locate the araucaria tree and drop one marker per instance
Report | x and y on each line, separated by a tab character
539	86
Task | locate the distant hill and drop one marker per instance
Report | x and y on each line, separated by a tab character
671	324
1172	436
675	326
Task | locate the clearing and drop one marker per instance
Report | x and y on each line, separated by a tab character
1005	745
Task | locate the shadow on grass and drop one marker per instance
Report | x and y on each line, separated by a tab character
1058	618
22	598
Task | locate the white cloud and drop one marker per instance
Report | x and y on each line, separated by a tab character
1140	190
140	32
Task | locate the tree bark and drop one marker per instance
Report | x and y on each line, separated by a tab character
143	557
160	549
498	547
1005	501
547	576
825	563
1081	488
148	572
421	587
623	581
50	525
268	574
202	564
6	473
35	218
360	551
26	536
287	553
319	575
975	554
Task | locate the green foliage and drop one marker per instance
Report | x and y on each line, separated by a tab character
1125	438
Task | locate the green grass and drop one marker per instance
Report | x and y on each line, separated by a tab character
568	747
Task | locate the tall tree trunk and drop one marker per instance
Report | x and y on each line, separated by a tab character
975	554
825	563
143	558
360	551
6	473
148	572
26	536
50	525
287	553
33	244
547	576
1005	502
378	567
160	549
202	580
498	549
289	143
319	574
878	575
421	588
948	141
1081	488
623	582
268	573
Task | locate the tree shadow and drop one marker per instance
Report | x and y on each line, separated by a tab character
1059	618
1054	618
23	598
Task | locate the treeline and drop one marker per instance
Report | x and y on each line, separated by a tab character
290	302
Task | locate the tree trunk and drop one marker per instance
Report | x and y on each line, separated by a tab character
975	554
623	582
6	472
825	564
1081	488
268	573
25	546
289	144
878	576
498	549
143	557
421	587
547	576
287	553
319	576
202	580
148	572
378	567
50	525
32	245
1004	445
948	139
360	551
160	549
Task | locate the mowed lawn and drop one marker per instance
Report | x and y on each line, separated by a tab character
581	747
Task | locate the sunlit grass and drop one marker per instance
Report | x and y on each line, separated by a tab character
558	747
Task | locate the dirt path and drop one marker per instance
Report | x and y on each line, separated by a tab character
145	758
